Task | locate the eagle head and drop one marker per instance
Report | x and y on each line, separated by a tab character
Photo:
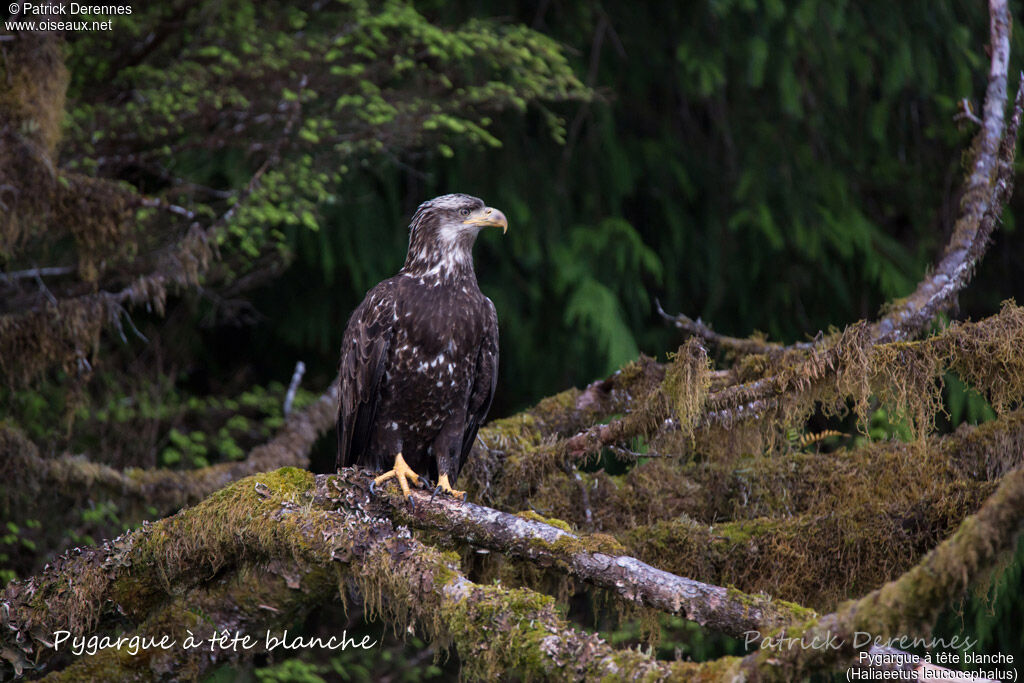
442	234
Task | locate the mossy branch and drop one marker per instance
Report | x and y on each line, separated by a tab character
517	449
597	559
318	533
909	605
253	600
987	188
273	517
770	522
137	489
903	374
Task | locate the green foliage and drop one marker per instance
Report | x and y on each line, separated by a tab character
406	661
156	425
614	252
965	404
672	638
290	671
741	169
884	426
992	614
763	165
235	87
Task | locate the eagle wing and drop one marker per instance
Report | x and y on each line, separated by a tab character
364	354
484	381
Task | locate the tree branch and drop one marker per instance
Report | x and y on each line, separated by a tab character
854	366
37	272
985	192
293	386
597	559
332	524
909	605
735	345
163	489
270	516
254	600
987	189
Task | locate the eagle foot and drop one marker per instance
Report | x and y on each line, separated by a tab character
403	473
444	487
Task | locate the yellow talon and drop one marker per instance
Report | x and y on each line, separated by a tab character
403	472
443	484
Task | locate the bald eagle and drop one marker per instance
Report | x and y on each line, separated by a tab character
419	359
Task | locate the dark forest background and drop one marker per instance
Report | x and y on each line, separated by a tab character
780	167
770	166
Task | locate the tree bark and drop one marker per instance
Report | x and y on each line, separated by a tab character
598	560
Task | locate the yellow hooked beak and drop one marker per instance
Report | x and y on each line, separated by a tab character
488	216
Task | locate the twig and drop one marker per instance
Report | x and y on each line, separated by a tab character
966	112
45	290
165	206
37	273
300	370
698	328
588	514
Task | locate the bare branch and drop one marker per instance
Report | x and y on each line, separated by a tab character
981	206
37	272
698	328
165	206
597	559
293	386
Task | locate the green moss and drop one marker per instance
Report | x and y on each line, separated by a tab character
686	384
800	612
588	543
531	515
499	631
743	531
287	481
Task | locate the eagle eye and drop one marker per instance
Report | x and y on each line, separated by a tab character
463	212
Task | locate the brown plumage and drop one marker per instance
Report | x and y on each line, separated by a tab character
419	359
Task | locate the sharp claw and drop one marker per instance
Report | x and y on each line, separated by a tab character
446	488
404	474
434	492
412	503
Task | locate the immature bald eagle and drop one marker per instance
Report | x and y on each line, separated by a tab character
419	360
